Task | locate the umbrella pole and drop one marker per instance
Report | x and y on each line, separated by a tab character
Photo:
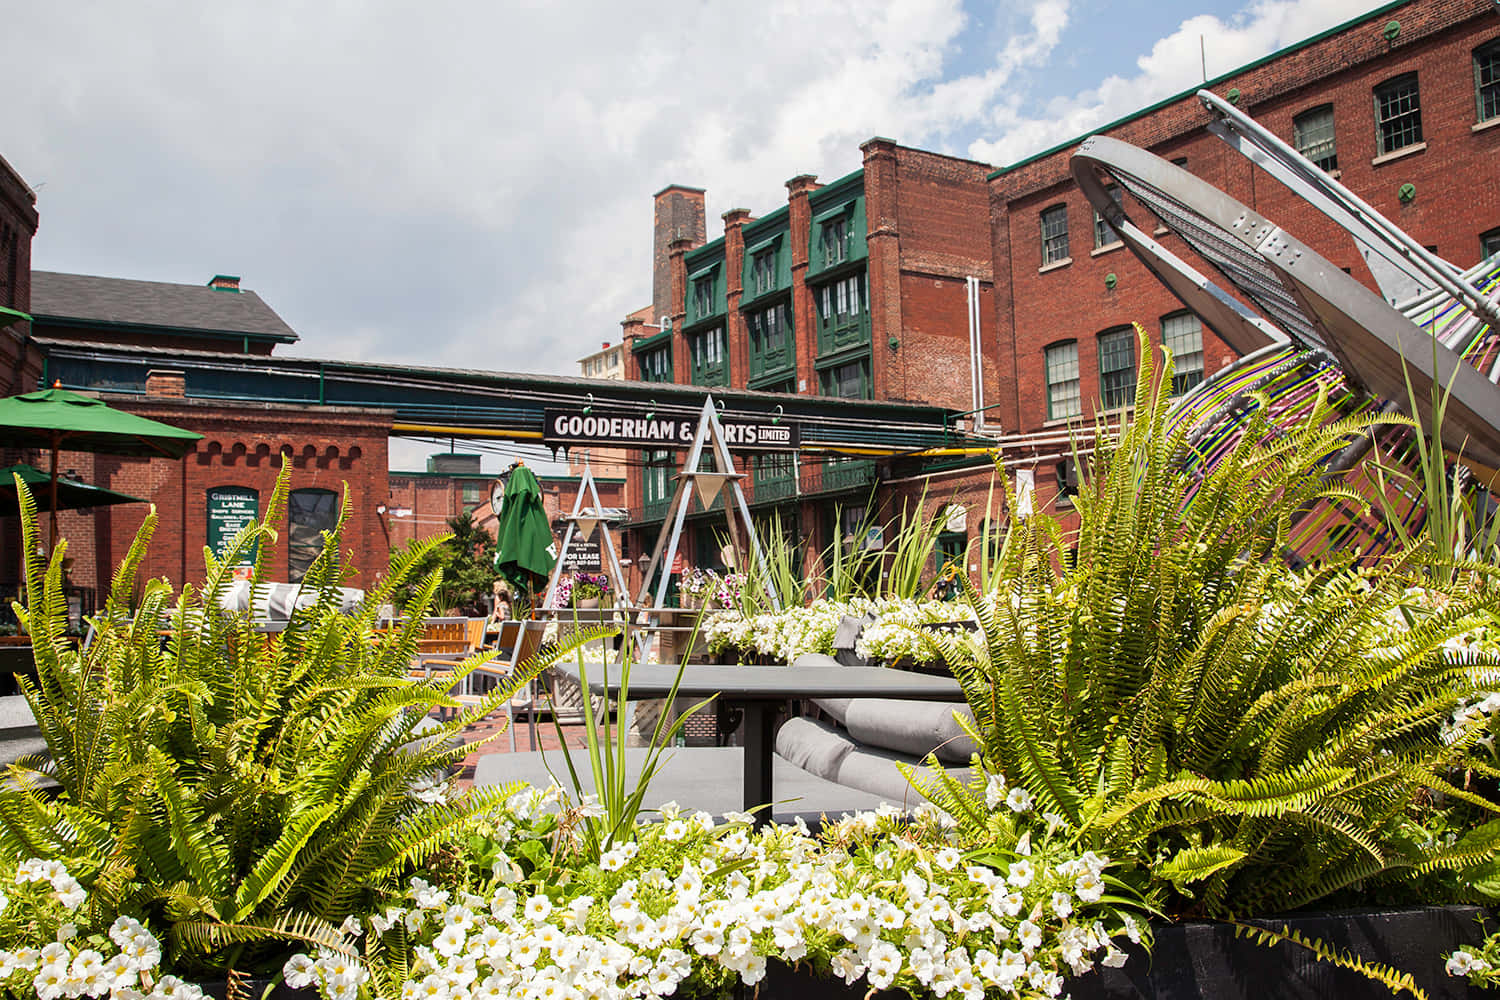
52	539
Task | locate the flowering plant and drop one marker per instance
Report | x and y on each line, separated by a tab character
697	585
575	587
51	951
690	906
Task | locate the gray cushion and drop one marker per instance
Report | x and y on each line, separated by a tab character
836	707
816	747
814	660
915	728
846	639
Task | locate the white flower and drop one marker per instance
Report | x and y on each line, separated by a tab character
675	829
299	972
1018	799
946	858
994	791
1029	934
1461	963
883	963
538	909
1090	887
1062	905
1021	873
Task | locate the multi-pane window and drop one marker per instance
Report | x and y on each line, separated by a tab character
1182	334
771	345
835	241
1054	234
1117	367
847	381
1398	114
1487	80
842	313
763	267
1104	233
1063	396
1312	134
655	476
707	350
703	296
656	366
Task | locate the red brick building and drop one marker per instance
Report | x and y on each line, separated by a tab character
872	286
1396	97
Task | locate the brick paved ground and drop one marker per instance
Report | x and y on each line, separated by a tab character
546	732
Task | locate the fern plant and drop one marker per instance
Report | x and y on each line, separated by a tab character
245	790
1163	685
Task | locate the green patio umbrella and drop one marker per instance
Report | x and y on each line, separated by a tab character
71	494
524	547
56	419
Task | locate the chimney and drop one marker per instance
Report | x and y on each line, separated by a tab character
679	215
225	282
163	383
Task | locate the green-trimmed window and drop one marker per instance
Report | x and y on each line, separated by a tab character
773	476
763	271
1313	135
656	364
772	347
705	291
1104	233
710	367
1398	114
656	478
843	313
835	239
1054	229
1487	80
1182	334
848	380
1064	399
1117	367
1489	244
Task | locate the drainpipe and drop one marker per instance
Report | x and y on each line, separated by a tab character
976	359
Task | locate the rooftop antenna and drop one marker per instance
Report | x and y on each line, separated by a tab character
1203	58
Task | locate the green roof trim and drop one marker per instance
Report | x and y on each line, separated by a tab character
9	316
1209	85
652	342
698	258
704	272
832	213
764	244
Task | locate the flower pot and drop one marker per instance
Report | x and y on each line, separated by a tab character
587	604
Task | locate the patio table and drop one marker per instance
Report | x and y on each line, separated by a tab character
756	690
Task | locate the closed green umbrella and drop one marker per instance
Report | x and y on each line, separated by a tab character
524	547
57	419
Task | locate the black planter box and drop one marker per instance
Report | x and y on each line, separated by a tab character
1205	961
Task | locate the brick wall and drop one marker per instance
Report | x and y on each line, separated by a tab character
243	445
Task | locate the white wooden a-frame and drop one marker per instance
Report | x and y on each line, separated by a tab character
706	484
583	522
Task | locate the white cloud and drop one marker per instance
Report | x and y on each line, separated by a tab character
1174	63
464	184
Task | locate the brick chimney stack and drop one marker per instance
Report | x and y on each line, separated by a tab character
225	282
679	215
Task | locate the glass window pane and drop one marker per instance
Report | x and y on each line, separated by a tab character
1054	234
1182	334
1487	80
309	514
1117	368
1063	396
1398	113
1312	134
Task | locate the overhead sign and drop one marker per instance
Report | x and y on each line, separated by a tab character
572	426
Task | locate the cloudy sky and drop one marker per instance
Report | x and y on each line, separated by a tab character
469	184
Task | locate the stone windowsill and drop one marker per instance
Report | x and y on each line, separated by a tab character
1107	248
1482	126
1054	265
1398	154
